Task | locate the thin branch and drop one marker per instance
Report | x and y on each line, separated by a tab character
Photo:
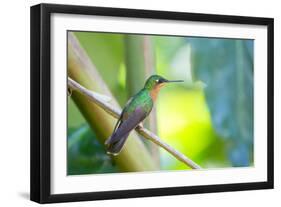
141	130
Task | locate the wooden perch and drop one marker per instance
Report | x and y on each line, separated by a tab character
100	101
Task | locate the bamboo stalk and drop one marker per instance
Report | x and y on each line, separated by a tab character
135	74
149	68
134	156
140	64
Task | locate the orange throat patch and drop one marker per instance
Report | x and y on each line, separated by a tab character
154	92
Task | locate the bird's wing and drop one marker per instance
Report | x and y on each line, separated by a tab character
122	114
127	125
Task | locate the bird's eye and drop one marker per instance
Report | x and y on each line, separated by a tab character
157	80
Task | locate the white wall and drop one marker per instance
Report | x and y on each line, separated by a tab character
14	109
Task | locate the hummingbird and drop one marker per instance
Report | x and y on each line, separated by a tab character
135	111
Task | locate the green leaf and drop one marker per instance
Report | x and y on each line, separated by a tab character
226	66
85	154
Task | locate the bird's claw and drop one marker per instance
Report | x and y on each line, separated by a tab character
69	92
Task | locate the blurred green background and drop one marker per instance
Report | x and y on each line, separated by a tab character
209	117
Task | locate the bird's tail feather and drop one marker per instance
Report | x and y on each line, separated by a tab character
114	146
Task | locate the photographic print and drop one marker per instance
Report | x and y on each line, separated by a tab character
194	93
132	103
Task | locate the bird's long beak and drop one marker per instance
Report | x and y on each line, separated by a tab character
171	81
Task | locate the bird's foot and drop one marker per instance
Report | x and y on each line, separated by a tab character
141	125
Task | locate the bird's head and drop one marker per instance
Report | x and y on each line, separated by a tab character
155	82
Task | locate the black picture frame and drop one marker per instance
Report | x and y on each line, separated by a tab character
41	99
